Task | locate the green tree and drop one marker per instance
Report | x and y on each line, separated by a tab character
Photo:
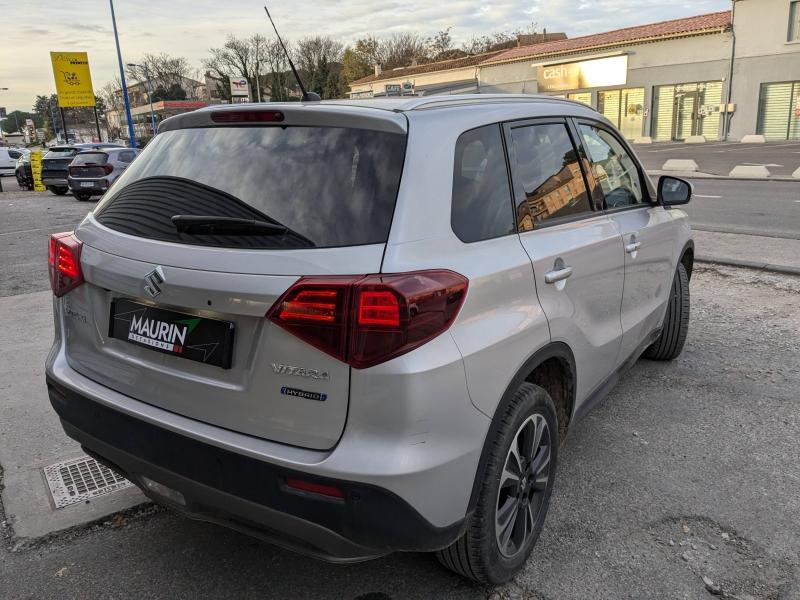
18	117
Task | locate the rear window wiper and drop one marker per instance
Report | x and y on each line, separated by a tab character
213	225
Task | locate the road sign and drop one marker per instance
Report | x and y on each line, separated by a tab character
36	172
73	79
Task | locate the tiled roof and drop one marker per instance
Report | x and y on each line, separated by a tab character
442	65
692	25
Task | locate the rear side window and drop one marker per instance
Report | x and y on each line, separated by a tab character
89	158
61	153
126	156
14	154
328	186
547	174
481	207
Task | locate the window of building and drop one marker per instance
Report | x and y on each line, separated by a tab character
613	167
687	109
794	21
481	207
625	109
547	174
584	97
779	111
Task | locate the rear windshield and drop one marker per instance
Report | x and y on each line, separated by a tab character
90	158
328	186
61	153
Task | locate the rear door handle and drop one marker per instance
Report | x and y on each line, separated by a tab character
557	275
632	247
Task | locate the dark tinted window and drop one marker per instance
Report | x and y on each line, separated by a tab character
329	186
612	166
126	156
14	154
61	153
90	158
546	169
481	206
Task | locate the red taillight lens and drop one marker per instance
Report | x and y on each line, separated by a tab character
367	320
64	263
315	488
247	116
108	169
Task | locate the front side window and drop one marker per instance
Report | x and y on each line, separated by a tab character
613	167
481	207
547	171
794	21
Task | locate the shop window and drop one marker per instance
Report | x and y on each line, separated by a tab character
779	111
584	97
625	109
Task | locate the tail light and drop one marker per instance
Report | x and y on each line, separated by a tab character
367	320
108	168
64	263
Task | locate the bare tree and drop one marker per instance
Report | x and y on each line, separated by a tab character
402	49
234	58
497	40
163	70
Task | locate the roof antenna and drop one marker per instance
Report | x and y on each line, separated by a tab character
307	96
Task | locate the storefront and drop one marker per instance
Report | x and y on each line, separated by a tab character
625	109
687	109
779	111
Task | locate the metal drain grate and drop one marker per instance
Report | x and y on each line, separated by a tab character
81	479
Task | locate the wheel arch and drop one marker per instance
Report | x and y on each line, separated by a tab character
542	368
687	257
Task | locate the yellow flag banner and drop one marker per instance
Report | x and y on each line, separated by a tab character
73	79
36	172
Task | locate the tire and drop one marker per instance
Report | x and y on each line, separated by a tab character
58	190
82	196
670	343
477	554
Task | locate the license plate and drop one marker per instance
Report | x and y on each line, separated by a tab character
87	184
208	341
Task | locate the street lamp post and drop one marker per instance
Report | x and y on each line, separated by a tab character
122	78
149	94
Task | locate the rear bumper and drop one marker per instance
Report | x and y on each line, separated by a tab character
245	493
89	186
55	181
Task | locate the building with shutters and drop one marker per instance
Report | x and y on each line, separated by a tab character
720	75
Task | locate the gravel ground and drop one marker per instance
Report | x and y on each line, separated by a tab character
684	483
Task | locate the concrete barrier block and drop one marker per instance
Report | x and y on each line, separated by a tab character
684	165
643	140
796	174
753	139
750	171
695	139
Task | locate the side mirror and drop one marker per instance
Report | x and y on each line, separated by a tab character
673	191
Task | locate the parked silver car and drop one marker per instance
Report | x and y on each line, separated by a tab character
373	332
93	171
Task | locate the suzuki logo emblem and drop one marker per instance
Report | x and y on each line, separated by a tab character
153	281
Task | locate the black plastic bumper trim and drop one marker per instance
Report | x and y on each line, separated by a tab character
370	517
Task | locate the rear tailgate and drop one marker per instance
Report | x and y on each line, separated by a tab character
237	369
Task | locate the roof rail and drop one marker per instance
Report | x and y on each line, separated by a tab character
463	99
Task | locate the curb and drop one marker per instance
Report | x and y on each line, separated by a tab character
700	175
747	264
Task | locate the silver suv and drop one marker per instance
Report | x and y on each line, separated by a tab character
356	328
92	172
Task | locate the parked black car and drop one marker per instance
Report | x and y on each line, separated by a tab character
55	165
23	171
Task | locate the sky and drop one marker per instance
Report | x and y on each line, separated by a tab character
30	29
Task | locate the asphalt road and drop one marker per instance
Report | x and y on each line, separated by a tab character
688	470
769	208
719	158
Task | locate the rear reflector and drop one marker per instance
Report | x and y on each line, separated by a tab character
64	263
247	116
315	488
367	320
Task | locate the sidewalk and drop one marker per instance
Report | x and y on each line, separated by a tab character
752	251
30	433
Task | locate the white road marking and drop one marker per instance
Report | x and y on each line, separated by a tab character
702	196
761	147
762	164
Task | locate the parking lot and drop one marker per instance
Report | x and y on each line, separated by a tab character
687	471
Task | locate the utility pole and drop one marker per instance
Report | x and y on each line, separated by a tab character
122	78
